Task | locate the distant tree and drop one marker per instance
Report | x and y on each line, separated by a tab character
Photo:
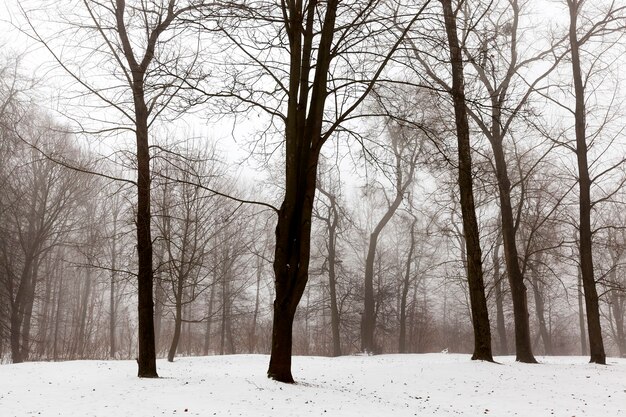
405	149
37	216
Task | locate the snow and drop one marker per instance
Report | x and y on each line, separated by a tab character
385	385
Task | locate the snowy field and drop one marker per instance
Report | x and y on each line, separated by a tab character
386	385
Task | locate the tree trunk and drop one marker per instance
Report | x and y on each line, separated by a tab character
368	321
112	314
523	343
331	224
596	345
178	321
497	277
617	309
209	320
83	314
540	310
252	338
478	302
57	320
581	317
405	290
303	144
145	306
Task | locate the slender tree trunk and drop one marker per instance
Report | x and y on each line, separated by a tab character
252	342
405	290
540	311
581	317
596	345
57	320
112	313
617	309
209	320
178	321
331	224
497	277
83	313
368	322
478	302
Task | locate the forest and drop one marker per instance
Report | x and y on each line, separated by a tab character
312	177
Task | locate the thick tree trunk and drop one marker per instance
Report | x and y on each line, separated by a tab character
145	305
478	302
596	345
303	144
291	266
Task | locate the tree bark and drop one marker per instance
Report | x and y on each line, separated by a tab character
596	345
478	302
303	143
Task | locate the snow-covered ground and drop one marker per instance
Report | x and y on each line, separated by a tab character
386	385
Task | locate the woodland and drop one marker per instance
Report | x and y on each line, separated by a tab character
312	177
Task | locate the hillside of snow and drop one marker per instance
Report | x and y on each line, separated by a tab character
385	385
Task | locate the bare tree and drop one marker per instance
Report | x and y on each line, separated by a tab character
137	41
610	20
312	78
480	318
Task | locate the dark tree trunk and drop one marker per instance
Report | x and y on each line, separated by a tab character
478	302
145	306
596	345
523	343
303	143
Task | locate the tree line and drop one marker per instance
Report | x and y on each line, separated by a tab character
415	156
